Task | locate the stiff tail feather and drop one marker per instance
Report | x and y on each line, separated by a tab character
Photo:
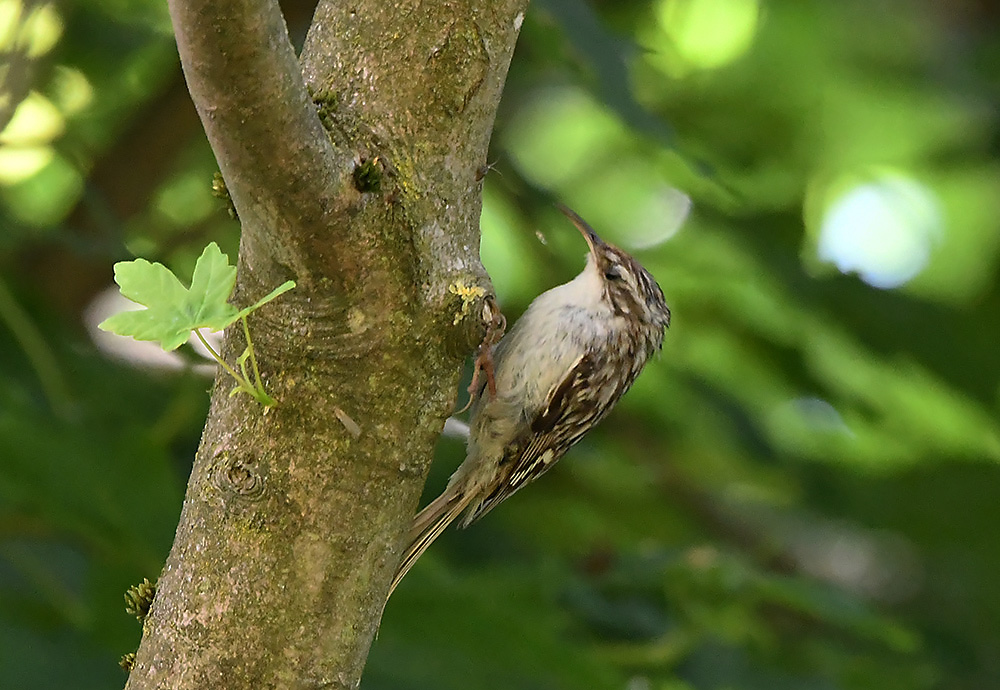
428	524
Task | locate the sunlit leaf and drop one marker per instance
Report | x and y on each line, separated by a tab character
173	311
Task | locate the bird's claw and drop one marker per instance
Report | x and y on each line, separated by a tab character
496	324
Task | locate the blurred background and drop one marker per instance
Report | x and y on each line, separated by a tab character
802	492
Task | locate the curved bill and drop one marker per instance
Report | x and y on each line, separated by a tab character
593	239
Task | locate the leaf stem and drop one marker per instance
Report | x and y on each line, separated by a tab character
253	357
243	383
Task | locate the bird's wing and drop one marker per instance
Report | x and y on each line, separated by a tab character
571	409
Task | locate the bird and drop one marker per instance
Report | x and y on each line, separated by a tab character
557	372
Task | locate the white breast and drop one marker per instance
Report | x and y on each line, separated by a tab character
559	326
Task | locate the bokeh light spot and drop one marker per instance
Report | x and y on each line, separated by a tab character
32	33
707	34
72	91
186	199
36	121
558	133
10	14
18	164
882	229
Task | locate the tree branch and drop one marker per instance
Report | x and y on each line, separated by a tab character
291	524
284	176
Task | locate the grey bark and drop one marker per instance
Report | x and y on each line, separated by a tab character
291	526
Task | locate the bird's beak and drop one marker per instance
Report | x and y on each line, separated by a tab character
593	240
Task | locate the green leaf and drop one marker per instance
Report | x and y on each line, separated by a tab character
173	311
211	286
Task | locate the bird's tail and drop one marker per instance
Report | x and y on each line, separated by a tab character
428	524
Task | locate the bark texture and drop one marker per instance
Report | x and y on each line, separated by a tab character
290	529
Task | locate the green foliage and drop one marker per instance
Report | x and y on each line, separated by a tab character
138	599
220	191
368	175
127	662
173	311
799	493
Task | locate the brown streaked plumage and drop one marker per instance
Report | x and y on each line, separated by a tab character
560	369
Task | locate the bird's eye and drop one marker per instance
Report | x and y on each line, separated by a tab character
613	273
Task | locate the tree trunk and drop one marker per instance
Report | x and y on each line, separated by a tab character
355	173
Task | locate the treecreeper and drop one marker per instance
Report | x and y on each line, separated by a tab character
558	371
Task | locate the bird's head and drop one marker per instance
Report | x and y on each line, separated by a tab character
630	290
